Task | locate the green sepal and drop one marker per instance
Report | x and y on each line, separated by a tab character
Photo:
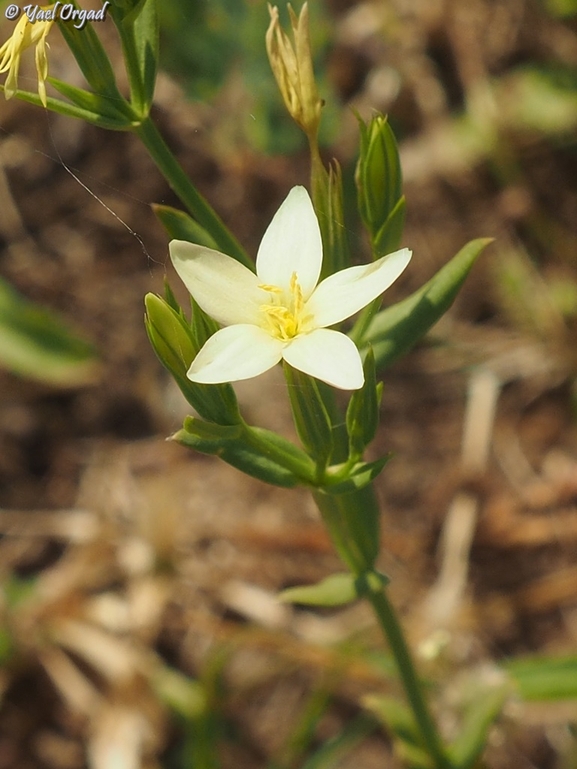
181	226
311	418
91	57
362	417
388	238
201	324
396	329
335	590
173	342
171	299
327	188
379	182
353	523
357	478
242	448
36	343
116	112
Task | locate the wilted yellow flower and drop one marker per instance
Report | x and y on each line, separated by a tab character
293	68
26	34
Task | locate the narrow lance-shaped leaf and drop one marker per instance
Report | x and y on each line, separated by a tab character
137	26
115	112
180	226
35	343
396	329
90	56
249	451
335	590
480	716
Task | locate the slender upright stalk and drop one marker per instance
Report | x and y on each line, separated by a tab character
393	632
352	522
187	192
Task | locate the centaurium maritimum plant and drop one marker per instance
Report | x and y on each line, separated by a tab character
282	308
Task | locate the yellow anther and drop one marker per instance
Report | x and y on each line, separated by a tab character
283	315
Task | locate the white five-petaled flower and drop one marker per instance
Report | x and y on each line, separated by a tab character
281	312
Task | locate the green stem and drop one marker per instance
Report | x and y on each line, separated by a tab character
392	630
187	192
352	521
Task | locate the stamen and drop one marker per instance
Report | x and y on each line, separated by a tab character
283	315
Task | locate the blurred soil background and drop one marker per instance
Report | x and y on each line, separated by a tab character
140	626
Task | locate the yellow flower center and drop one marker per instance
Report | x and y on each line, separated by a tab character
283	316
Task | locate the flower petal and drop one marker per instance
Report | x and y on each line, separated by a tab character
223	287
233	353
329	356
341	295
292	243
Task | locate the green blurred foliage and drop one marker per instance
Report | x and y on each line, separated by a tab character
37	344
207	44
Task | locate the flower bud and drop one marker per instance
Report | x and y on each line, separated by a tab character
378	179
293	69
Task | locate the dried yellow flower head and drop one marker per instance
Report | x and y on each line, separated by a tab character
26	34
293	68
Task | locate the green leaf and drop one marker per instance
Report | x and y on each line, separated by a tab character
395	330
35	343
91	57
146	37
211	437
336	590
395	716
115	113
71	110
181	693
335	750
137	25
236	450
329	208
180	226
544	678
479	718
356	479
